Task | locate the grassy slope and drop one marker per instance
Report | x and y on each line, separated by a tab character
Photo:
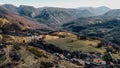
28	55
31	57
71	43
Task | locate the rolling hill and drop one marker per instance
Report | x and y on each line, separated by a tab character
97	11
115	13
107	28
13	22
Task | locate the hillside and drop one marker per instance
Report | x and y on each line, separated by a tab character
73	42
75	45
106	28
97	11
19	56
53	16
12	22
18	51
115	13
34	52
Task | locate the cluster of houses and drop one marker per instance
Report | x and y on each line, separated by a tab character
89	60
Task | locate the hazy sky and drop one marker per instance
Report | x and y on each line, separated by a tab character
65	3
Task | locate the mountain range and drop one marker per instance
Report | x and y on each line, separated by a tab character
52	37
80	20
54	16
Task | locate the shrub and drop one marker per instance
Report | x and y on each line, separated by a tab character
2	58
36	52
15	56
17	47
99	45
8	65
46	65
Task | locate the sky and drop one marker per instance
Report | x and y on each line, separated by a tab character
115	4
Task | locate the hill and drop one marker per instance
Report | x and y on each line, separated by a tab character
115	13
13	22
49	50
14	56
53	16
70	42
97	11
107	28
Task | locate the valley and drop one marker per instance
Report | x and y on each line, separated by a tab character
51	37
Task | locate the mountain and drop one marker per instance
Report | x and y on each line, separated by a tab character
97	11
53	16
107	28
11	8
104	26
29	11
13	22
80	20
115	13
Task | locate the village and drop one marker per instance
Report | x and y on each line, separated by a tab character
88	60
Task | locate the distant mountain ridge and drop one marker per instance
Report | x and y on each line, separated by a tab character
53	16
105	26
12	22
115	13
97	11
